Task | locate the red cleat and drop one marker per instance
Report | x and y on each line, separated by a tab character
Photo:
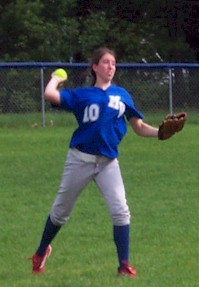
127	270
38	262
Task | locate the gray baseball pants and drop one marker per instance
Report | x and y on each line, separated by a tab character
79	169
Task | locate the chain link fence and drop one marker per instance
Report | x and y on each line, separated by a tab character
156	89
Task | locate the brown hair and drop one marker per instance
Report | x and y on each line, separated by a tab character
97	55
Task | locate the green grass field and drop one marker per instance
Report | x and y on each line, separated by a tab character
161	180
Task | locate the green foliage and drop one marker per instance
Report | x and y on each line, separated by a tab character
70	30
22	29
16	95
94	32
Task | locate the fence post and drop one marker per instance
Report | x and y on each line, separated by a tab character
42	97
170	91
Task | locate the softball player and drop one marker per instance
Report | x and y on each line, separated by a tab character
101	112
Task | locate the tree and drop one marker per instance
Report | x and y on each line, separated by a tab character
68	30
18	21
191	26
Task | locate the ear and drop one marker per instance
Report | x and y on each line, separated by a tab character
94	67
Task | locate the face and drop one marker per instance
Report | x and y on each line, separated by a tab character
105	69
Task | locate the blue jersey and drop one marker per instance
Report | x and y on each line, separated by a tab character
101	118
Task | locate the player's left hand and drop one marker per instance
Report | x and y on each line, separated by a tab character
171	125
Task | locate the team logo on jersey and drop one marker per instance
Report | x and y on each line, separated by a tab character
115	103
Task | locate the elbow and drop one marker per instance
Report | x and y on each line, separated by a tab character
47	95
137	126
52	97
138	132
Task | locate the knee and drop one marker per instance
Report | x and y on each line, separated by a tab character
121	217
58	218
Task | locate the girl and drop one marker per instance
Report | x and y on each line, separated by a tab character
101	112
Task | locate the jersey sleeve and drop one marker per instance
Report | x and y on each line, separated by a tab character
133	112
131	109
67	98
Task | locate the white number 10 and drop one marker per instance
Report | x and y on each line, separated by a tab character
91	113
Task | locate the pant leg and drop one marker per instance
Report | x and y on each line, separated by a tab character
76	175
110	183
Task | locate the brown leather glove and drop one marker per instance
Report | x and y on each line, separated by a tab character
171	125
